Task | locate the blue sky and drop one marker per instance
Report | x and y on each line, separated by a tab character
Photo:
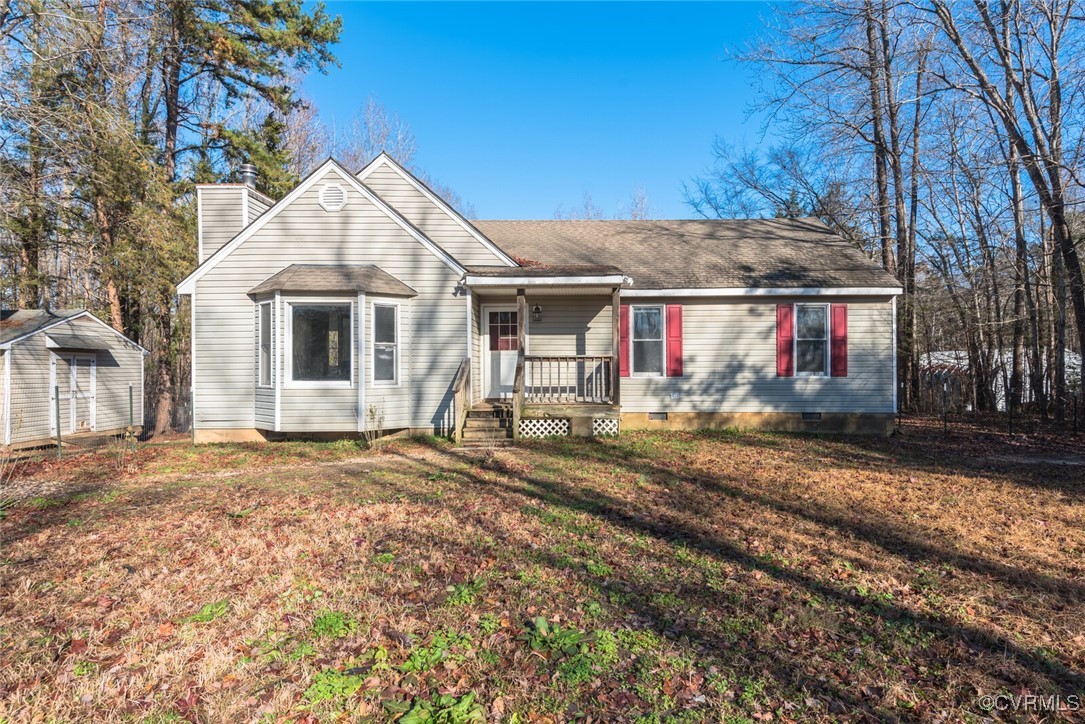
524	107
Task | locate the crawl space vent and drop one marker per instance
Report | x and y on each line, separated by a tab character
333	197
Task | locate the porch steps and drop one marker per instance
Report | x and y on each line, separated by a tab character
488	425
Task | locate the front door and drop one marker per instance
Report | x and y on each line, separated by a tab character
500	350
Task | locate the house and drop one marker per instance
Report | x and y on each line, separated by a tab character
363	301
66	365
946	380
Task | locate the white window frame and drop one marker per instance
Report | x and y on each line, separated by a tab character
270	384
288	352
828	341
373	343
632	338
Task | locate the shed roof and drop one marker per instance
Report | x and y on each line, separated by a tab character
15	323
334	278
63	328
68	337
692	254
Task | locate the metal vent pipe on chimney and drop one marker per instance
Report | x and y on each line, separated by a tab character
248	175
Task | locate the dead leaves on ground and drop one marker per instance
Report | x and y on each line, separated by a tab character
757	577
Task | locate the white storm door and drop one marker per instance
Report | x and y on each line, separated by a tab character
500	349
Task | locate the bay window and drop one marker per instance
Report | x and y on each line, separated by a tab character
321	343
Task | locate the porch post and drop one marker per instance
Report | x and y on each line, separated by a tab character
518	380
616	347
521	313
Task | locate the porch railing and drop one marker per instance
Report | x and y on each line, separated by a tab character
568	380
461	395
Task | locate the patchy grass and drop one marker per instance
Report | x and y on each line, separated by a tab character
687	576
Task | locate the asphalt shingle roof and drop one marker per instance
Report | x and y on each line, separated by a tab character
697	254
19	322
334	278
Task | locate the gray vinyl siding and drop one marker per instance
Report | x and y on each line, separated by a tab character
31	398
116	368
304	233
220	216
570	326
729	363
257	206
32	407
434	221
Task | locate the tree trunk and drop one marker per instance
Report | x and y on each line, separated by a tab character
163	411
1058	269
171	94
910	374
881	176
30	288
162	361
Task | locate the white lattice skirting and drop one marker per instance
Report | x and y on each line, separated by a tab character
604	427
544	427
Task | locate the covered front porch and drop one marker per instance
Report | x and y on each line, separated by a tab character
544	352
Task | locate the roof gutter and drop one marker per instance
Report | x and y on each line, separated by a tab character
767	292
609	280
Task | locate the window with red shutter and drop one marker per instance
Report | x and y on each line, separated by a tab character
623	340
674	340
838	351
785	340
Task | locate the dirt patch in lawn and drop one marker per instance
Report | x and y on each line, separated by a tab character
675	576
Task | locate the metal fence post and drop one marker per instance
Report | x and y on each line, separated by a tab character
56	397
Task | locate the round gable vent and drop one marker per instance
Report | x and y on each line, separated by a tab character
332	197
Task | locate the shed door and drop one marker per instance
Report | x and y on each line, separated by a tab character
73	376
82	393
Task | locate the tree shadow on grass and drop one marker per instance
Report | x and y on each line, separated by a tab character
669	526
896	542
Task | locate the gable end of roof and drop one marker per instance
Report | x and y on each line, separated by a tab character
188	284
384	159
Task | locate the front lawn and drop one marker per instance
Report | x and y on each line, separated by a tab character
689	577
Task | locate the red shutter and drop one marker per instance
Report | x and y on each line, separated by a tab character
623	340
838	349
674	340
785	338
